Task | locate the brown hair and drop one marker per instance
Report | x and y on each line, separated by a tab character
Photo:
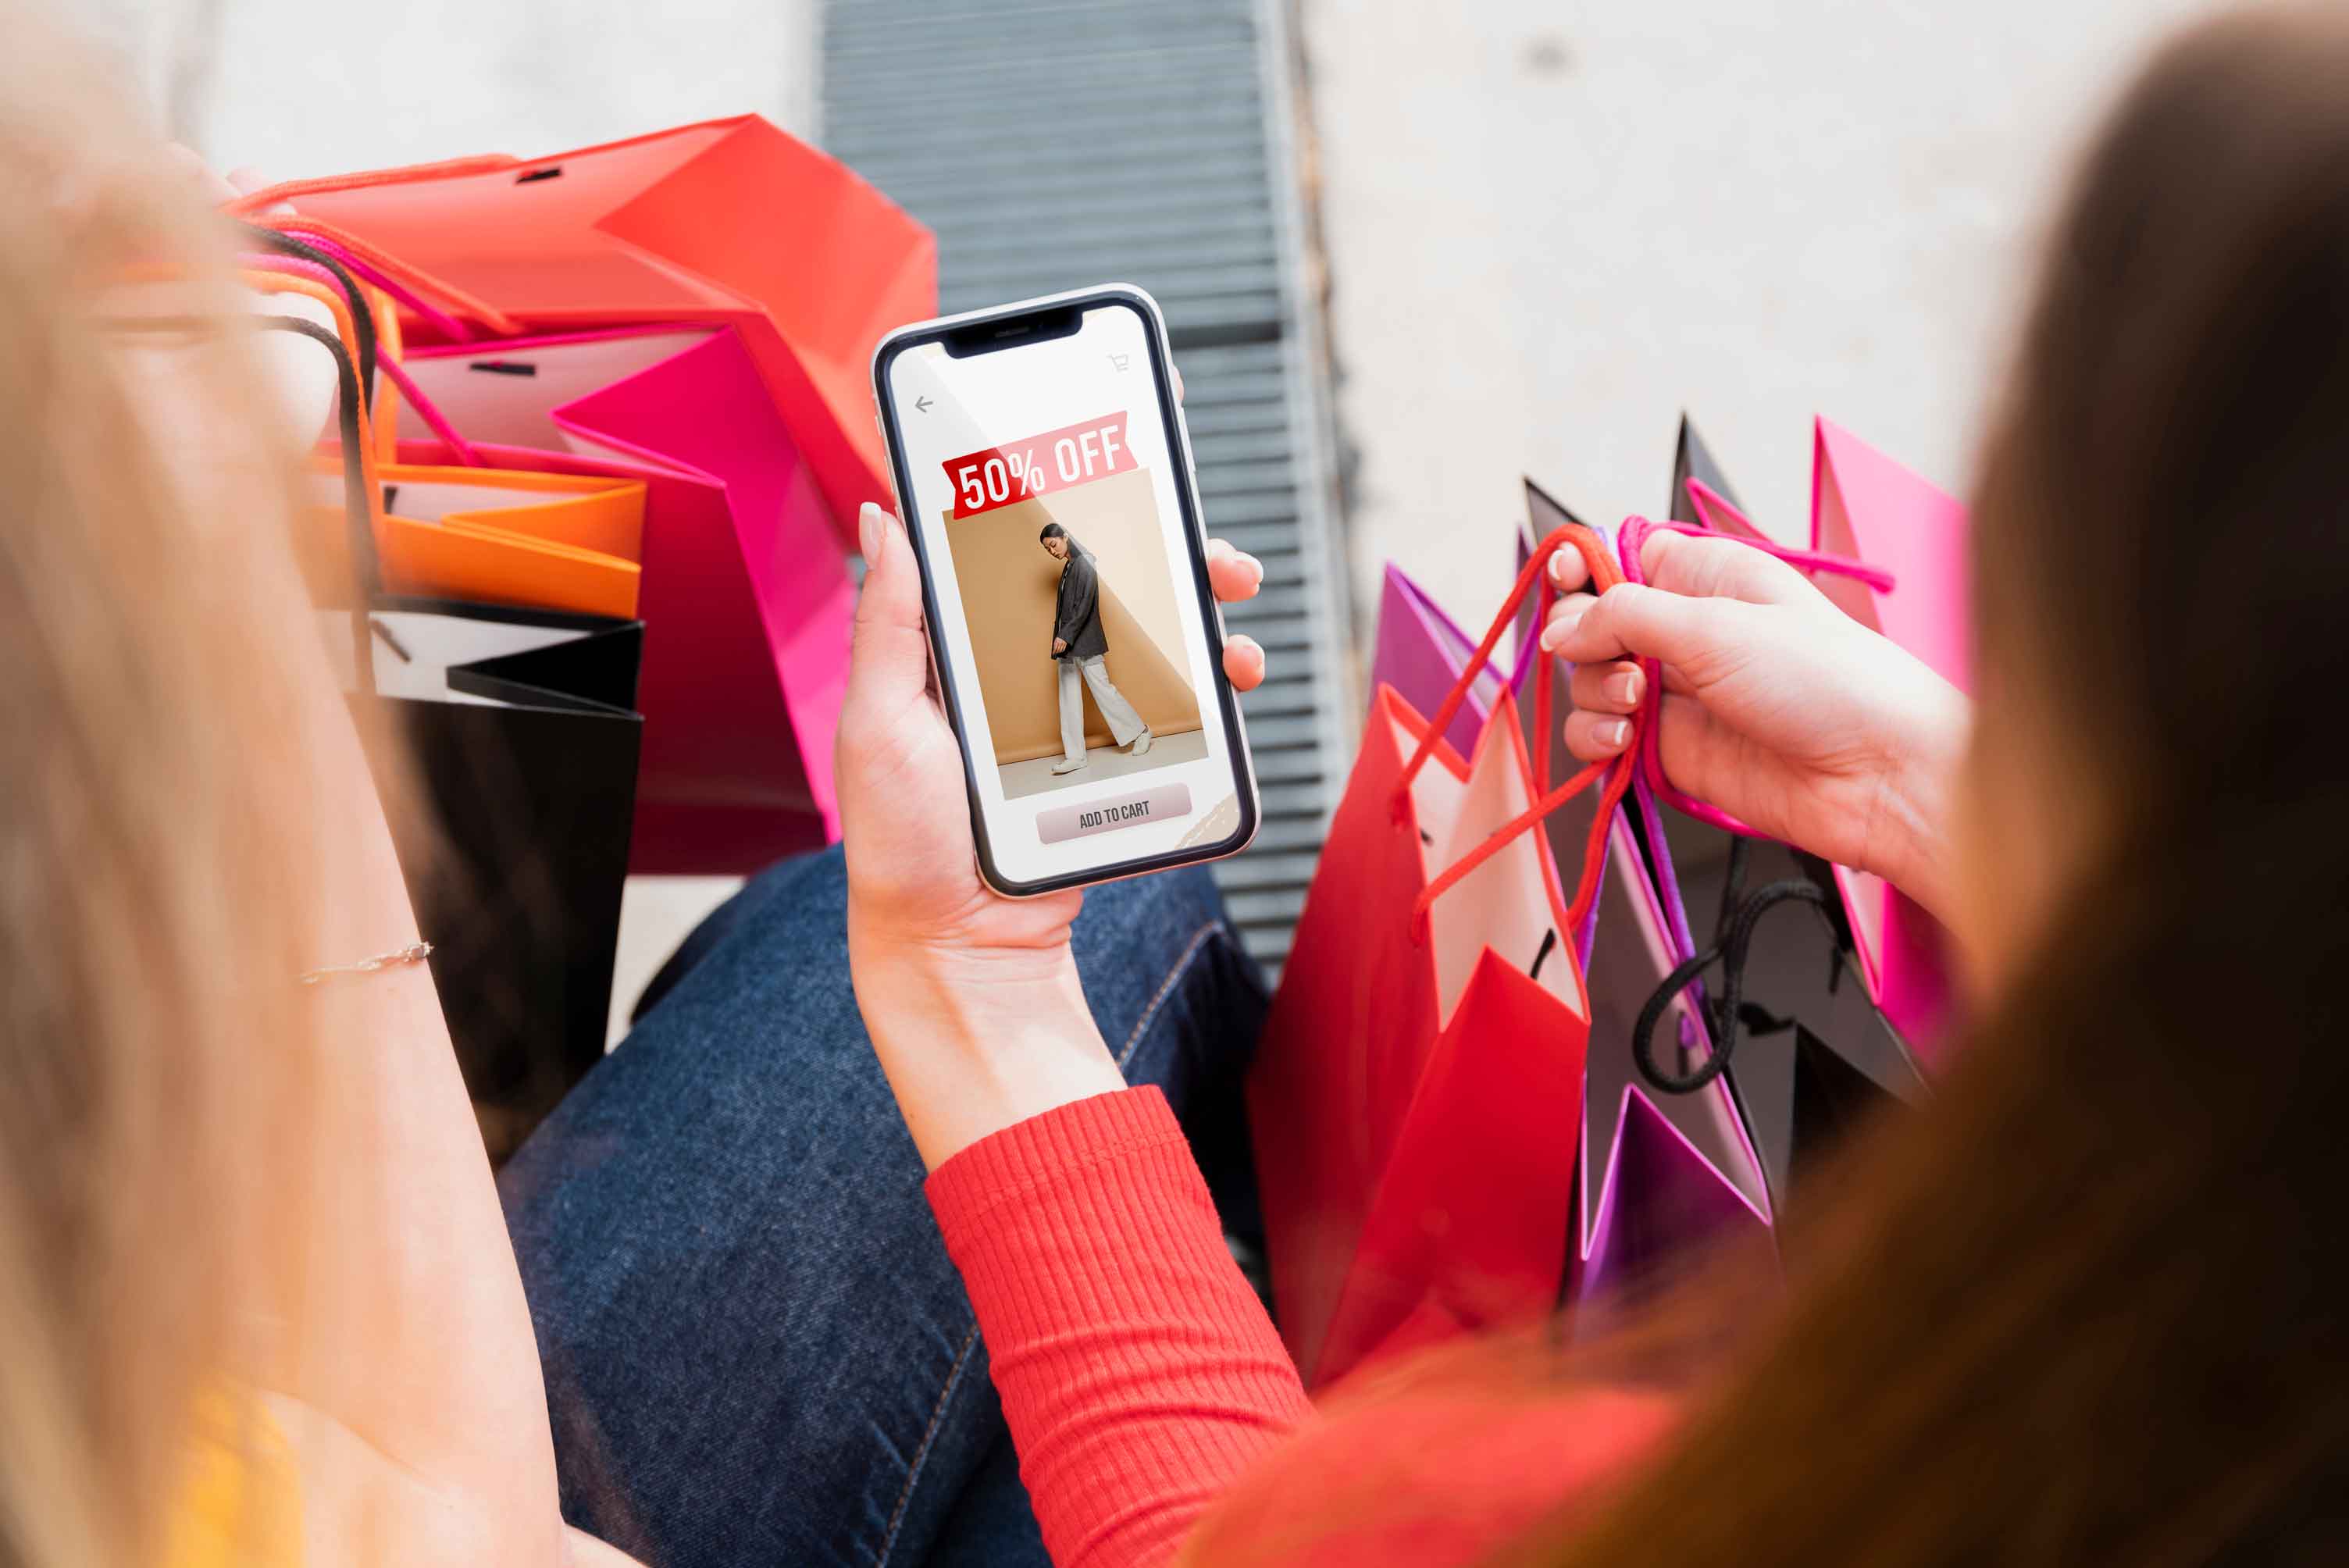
2089	1309
153	883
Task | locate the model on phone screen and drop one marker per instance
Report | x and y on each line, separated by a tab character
1082	650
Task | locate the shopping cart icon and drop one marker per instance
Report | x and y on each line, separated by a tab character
1117	361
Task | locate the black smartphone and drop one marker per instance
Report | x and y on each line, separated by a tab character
1043	473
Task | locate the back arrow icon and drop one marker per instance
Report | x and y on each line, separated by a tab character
922	404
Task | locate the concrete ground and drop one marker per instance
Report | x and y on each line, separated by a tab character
1550	228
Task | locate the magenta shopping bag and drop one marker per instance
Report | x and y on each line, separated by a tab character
1868	508
746	597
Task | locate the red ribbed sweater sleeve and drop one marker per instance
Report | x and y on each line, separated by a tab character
1139	1373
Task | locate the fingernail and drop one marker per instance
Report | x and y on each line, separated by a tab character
1558	567
869	524
1613	733
1256	567
1559	631
1624	687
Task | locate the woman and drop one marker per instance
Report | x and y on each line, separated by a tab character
2069	1319
2087	1309
258	1300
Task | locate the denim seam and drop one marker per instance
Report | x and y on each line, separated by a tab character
922	1450
1133	1040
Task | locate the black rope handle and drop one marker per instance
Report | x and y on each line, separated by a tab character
1724	1008
362	319
358	519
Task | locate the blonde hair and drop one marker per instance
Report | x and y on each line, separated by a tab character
153	890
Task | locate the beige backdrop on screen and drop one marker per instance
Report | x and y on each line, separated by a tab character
1009	587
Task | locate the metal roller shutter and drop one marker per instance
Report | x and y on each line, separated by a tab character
1052	145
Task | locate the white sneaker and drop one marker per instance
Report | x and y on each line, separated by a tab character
1140	744
1067	767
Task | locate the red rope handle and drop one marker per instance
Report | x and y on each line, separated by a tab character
1605	574
325	185
382	261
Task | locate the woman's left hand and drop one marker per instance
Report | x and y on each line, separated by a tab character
971	998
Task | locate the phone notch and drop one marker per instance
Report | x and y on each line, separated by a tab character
1014	332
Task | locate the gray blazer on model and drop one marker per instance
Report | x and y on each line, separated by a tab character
1076	617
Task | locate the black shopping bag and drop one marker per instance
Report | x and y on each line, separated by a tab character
1816	1059
1812	1057
520	728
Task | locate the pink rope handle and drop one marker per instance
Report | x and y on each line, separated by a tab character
1634	538
383	263
297	266
430	411
1710	501
442	322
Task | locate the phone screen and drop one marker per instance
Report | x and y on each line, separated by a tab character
1047	488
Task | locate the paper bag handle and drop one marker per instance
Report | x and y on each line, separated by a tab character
1726	1014
358	485
440	320
402	383
391	268
1646	743
366	565
1604	574
277	246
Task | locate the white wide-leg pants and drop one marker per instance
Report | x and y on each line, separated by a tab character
1123	722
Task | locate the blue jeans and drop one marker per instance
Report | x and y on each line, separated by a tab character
756	1349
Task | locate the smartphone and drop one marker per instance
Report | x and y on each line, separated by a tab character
1043	473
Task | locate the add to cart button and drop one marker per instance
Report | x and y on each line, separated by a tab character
1165	803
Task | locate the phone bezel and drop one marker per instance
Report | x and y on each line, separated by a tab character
1187	492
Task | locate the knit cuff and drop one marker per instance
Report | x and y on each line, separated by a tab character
1051	1149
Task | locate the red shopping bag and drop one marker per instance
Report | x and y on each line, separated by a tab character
1416	1100
729	221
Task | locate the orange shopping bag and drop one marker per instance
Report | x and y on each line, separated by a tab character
501	536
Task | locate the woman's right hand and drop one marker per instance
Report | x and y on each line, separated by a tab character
1778	708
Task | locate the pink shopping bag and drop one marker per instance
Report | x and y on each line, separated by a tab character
1868	508
746	597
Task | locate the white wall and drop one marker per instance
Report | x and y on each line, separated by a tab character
296	87
1551	226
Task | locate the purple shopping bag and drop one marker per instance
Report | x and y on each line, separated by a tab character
1422	651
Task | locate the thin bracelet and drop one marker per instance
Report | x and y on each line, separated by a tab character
414	952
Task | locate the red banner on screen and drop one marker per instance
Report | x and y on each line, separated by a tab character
1026	470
